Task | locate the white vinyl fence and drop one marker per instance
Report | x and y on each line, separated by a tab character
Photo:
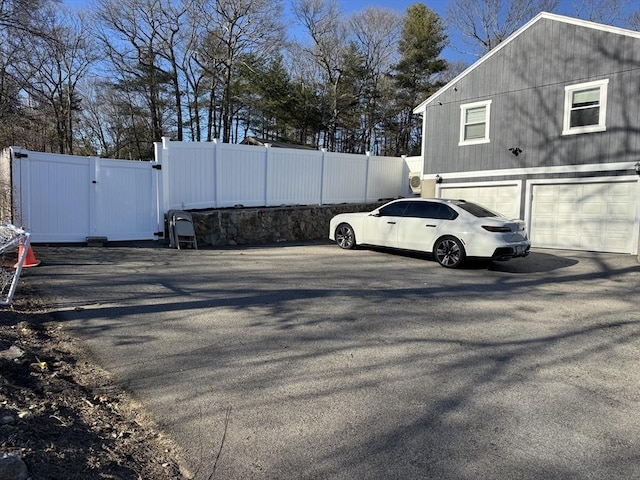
64	198
414	164
218	175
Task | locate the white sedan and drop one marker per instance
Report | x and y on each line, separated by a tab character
450	229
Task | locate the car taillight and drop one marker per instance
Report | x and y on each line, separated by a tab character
491	228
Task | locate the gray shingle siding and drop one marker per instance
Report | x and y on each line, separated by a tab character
525	81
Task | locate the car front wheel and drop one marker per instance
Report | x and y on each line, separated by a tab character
345	236
449	252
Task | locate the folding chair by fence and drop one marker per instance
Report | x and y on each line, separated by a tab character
181	230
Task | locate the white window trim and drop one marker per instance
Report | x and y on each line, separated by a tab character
476	141
568	94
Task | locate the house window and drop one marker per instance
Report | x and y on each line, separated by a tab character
474	123
585	107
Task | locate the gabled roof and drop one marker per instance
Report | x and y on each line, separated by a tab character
543	15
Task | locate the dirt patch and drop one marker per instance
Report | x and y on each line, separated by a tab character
62	414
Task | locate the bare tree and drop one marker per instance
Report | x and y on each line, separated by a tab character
22	25
454	68
23	15
176	42
305	74
11	114
112	125
376	32
195	75
322	21
131	36
634	20
95	125
239	29
486	23
51	67
610	12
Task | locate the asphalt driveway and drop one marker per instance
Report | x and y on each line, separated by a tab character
310	362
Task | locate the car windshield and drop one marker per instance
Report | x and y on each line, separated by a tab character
474	209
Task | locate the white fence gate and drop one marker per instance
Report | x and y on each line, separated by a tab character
64	198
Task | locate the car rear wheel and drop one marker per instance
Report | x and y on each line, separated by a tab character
449	252
345	236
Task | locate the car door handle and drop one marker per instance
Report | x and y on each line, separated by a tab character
391	223
430	225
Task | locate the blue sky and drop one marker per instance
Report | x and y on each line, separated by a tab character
351	6
439	6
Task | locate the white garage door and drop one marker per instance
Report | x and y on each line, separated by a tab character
598	216
500	198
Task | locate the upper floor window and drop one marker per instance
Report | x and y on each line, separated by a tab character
474	123
585	107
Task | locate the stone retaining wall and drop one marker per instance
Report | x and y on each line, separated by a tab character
258	226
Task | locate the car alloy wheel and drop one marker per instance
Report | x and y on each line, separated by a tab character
345	236
449	252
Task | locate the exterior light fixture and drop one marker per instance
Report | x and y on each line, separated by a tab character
637	168
439	178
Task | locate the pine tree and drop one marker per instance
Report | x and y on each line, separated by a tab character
422	42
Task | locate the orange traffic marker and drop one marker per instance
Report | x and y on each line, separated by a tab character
30	260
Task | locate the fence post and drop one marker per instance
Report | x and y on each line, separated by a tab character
366	177
324	151
159	176
216	174
405	176
94	196
267	156
165	153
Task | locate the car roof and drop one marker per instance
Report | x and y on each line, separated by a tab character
439	200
